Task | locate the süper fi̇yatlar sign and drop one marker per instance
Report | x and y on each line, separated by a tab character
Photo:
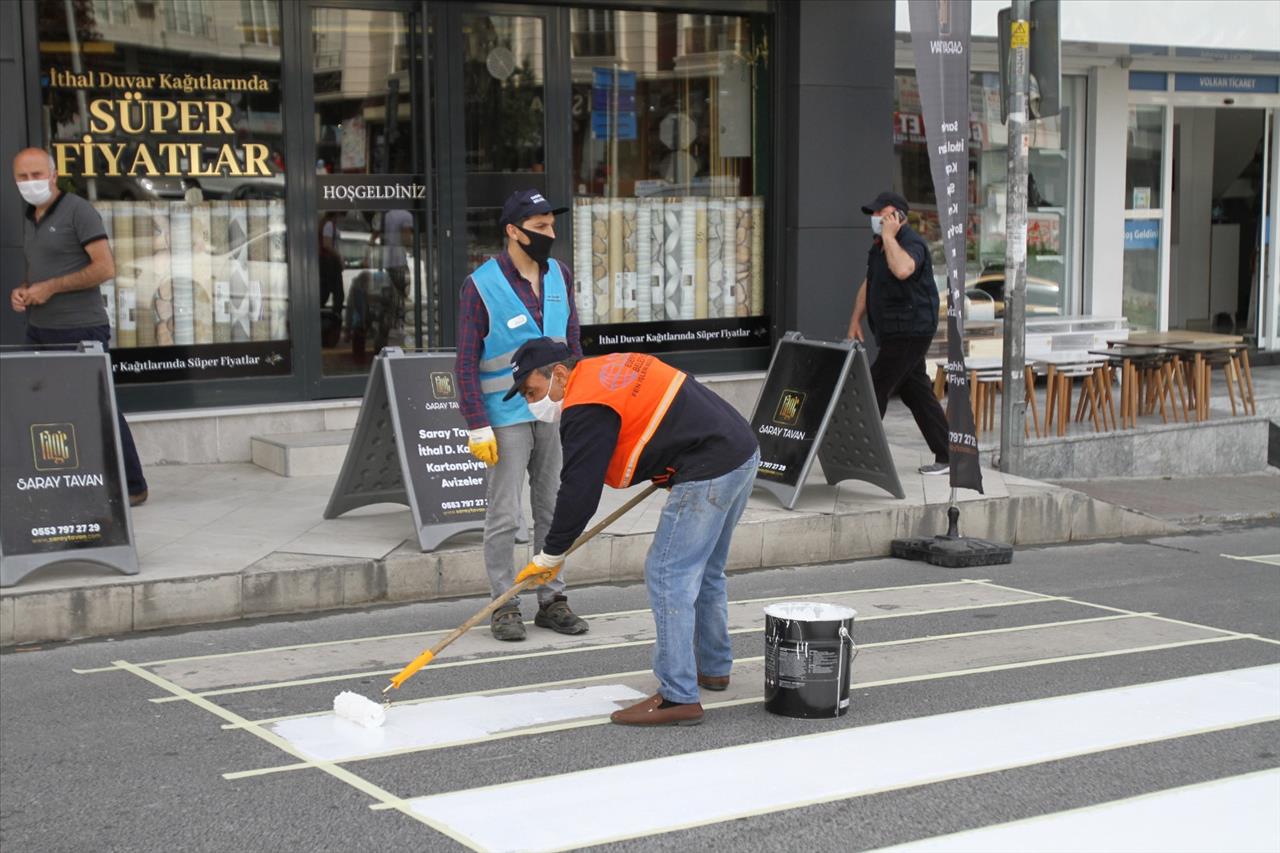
169	135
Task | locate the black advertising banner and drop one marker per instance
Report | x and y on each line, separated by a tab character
61	478
817	403
132	365
798	391
410	447
940	41
448	483
675	336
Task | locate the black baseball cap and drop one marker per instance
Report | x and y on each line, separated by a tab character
533	354
883	199
522	204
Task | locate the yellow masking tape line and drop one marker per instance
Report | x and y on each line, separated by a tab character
730	703
442	632
875	618
1155	616
325	679
341	773
1264	559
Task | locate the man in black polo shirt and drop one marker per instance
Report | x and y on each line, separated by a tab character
900	300
67	257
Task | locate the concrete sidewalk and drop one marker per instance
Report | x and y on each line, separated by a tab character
234	541
1194	500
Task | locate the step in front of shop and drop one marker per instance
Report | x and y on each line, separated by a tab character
291	583
301	454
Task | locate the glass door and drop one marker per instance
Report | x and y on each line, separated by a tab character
1145	296
1267	326
372	185
500	119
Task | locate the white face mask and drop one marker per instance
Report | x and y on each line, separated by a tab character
877	222
35	192
546	409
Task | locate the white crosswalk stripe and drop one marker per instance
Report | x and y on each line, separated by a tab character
718	785
948	634
1240	814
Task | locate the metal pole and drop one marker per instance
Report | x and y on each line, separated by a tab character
1013	407
73	36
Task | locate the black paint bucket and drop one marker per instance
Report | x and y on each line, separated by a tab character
808	651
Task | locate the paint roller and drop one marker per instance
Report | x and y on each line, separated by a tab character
365	712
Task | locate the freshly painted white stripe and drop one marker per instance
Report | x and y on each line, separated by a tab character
1240	814
330	738
709	787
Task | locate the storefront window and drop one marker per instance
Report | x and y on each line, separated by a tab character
1049	202
1140	294
167	117
504	121
668	218
369	185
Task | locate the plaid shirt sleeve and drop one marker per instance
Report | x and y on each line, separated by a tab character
473	326
574	331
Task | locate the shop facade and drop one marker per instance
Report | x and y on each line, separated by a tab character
1152	193
291	185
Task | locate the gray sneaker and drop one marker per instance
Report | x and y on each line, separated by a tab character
557	616
936	469
506	623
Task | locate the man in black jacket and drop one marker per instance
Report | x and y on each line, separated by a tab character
899	298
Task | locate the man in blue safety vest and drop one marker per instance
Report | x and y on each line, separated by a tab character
519	295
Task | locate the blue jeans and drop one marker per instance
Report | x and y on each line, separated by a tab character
684	572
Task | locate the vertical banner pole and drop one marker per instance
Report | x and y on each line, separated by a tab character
1013	405
940	41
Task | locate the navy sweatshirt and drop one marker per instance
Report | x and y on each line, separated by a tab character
700	438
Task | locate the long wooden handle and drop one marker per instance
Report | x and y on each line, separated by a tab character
485	612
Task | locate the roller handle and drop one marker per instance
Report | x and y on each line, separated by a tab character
485	612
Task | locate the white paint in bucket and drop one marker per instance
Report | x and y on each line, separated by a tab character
810	611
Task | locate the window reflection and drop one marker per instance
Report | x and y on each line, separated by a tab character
195	215
668	219
1048	193
370	267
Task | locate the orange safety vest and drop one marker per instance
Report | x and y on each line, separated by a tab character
639	388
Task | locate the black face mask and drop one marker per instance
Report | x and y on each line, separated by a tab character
539	246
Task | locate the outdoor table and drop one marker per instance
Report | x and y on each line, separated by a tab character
1233	358
1153	367
1060	369
1175	336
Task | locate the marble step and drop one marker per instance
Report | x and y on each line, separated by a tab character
301	454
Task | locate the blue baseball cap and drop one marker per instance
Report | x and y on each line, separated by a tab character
522	204
533	354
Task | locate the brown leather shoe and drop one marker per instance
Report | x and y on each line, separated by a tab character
713	682
138	499
650	713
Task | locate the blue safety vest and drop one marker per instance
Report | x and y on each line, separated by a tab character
510	325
